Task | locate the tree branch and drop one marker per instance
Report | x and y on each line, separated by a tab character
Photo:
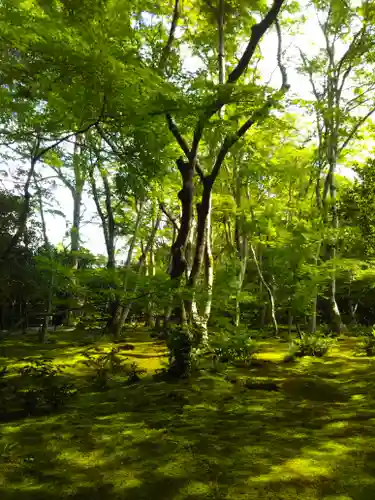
99	209
183	144
257	31
167	49
282	68
62	178
109	141
179	138
150	242
229	141
355	130
169	215
45	150
310	73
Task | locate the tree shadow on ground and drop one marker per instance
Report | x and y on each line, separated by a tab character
205	438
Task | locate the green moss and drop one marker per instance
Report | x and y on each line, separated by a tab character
203	438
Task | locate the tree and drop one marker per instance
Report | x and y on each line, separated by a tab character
339	110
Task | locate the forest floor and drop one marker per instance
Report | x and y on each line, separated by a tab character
203	438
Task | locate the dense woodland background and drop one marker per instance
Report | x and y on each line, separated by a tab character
221	197
223	346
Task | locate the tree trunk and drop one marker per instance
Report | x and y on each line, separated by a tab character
269	291
179	264
241	277
290	321
141	262
221	45
200	321
204	208
150	320
180	352
75	231
22	221
240	240
43	332
120	312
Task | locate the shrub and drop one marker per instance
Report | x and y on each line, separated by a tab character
234	348
104	366
369	343
180	347
41	387
132	371
308	345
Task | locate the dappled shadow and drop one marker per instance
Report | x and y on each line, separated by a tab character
205	438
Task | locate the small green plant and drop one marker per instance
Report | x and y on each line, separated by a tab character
180	347
104	365
234	348
308	345
40	387
369	342
133	372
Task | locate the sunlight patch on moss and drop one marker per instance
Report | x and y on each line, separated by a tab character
82	459
195	488
358	397
124	478
177	466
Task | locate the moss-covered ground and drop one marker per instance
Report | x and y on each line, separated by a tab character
203	438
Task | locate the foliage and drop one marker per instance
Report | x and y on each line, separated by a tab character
39	387
214	434
104	365
309	345
115	101
179	342
235	347
132	371
369	343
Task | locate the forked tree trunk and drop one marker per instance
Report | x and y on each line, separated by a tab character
180	353
185	195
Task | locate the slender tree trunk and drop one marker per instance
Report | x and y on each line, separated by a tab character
243	267
107	217
240	240
141	262
119	317
221	45
43	332
314	306
336	316
336	323
75	230
313	319
263	310
269	291
201	320
150	320
77	202
22	221
290	321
